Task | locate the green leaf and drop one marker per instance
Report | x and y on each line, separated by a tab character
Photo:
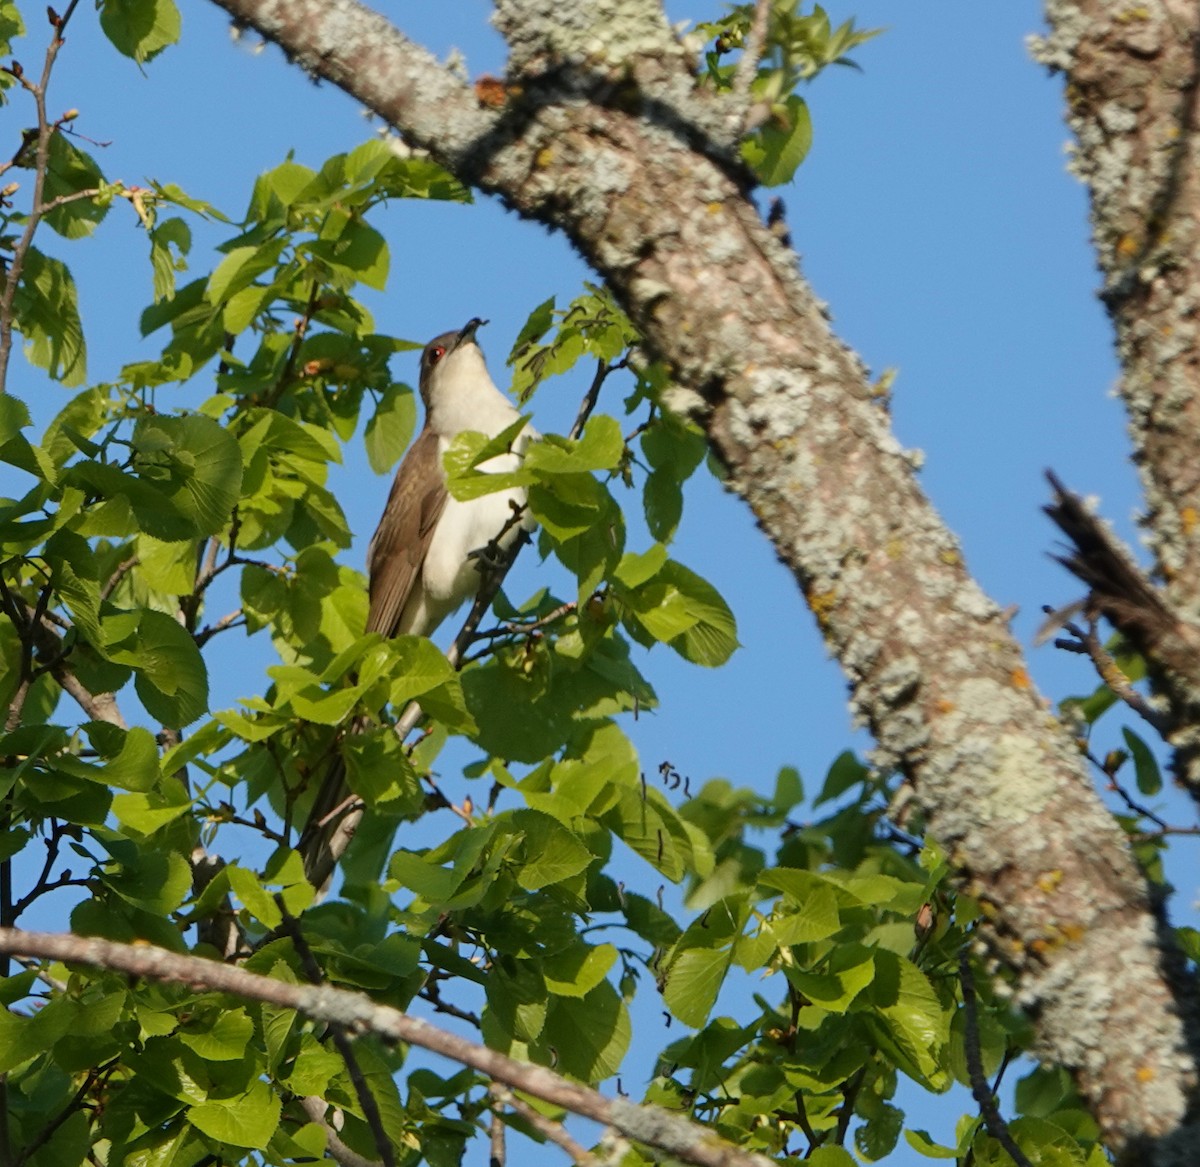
535	327
11	25
170	242
694	981
777	150
255	898
169	672
577	970
390	428
1149	780
135	764
685	611
69	172
845	772
587	1038
551	852
140	29
662	503
831	1157
195	464
244	1120
877	1137
14	417
47	314
155	881
167	567
836	989
220	1037
908	1020
599	448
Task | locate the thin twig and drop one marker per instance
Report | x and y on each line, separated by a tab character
1088	643
498	1155
300	332
315	1107
234	619
45	131
982	1092
752	50
553	1131
345	1048
432	993
122	569
47	1132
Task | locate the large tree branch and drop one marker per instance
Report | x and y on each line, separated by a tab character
1133	87
357	1013
609	141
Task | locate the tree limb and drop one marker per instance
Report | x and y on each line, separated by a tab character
356	1013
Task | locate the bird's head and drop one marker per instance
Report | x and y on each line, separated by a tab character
451	363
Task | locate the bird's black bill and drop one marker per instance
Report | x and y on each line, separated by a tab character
468	332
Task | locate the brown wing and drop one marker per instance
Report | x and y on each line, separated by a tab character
405	528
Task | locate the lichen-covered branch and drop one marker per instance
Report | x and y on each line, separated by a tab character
1133	103
607	138
357	1013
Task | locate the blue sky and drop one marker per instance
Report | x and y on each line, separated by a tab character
934	214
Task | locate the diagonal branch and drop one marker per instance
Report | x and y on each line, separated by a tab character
356	1013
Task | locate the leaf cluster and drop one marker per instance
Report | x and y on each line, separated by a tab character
796	47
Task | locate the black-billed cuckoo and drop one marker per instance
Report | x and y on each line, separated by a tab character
422	561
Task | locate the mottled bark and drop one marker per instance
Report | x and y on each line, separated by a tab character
606	137
1133	102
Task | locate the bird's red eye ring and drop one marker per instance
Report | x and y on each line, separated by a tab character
436	353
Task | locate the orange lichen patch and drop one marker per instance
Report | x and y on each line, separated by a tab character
1049	881
543	158
822	605
943	706
491	91
1020	678
1073	933
1188	517
1127	246
1144	1073
714	208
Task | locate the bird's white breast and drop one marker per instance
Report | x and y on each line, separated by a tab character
449	576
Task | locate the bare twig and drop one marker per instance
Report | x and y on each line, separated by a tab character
315	1108
45	131
362	1091
432	993
121	571
498	1155
550	1130
752	50
47	1132
984	1097
234	619
649	1125
1087	642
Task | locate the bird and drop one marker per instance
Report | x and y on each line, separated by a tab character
421	563
424	559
